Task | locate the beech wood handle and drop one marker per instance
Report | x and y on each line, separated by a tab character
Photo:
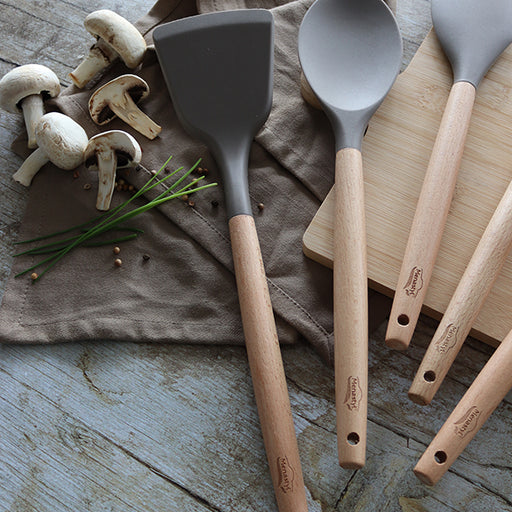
480	400
430	216
467	301
350	309
266	366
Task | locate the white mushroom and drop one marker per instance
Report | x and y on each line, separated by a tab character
116	37
24	89
107	152
61	141
118	98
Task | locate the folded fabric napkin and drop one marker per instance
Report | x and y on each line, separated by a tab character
185	292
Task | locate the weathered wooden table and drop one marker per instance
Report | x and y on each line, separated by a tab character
123	426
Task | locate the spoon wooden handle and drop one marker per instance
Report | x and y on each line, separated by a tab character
480	400
266	366
474	286
350	309
430	217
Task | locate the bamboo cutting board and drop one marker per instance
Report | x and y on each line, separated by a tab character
396	151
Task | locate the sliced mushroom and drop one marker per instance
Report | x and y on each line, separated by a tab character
116	37
118	98
61	141
107	152
24	89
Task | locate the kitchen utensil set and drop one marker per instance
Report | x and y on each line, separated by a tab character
350	52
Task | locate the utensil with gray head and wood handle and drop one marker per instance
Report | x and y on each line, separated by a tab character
234	49
473	34
350	52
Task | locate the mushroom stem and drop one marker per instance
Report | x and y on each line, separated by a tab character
126	109
107	165
30	167
100	56
33	110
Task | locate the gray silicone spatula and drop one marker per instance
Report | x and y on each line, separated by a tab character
350	52
473	34
218	68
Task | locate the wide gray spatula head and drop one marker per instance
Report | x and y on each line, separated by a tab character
218	69
473	33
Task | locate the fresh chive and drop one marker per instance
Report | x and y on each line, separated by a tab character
110	221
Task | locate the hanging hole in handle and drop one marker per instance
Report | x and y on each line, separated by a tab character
353	438
440	457
403	320
429	376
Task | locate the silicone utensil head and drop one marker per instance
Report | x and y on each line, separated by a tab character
473	34
350	52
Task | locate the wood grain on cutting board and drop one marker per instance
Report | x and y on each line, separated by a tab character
396	151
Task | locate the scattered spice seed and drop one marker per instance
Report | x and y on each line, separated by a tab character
125	186
87	186
118	262
146	257
184	198
117	250
205	171
154	173
76	174
131	188
191	203
261	207
121	182
215	203
34	276
167	170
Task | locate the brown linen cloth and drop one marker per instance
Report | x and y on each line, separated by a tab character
186	291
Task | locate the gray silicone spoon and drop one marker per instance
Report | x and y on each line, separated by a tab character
234	50
473	34
350	51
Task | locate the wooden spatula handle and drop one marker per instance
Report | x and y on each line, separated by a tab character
480	400
350	309
467	301
266	366
430	216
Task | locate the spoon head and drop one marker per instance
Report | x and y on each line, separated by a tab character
350	52
473	34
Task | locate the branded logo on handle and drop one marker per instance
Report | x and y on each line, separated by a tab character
354	394
415	282
286	474
448	340
467	423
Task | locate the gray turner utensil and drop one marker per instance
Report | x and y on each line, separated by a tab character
473	34
234	51
350	51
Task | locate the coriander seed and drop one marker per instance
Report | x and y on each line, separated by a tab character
117	250
261	207
34	276
118	262
87	186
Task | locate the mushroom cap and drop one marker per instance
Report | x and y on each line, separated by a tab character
62	140
99	102
118	33
25	81
127	149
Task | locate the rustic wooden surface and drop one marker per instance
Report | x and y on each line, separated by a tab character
122	426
